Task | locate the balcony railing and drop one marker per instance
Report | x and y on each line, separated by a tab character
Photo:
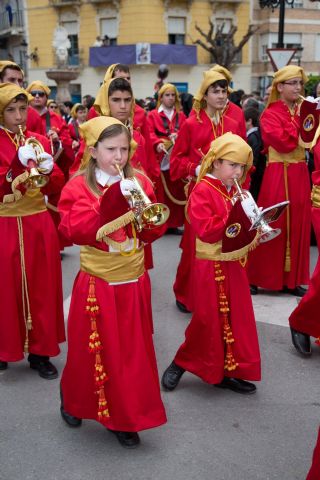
12	21
64	3
159	53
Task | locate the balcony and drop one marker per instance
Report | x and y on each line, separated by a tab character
64	3
127	54
11	24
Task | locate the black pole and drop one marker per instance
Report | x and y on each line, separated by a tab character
281	24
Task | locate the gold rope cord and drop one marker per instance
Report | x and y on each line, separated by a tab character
169	194
287	262
24	287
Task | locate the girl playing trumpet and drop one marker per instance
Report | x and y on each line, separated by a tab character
111	373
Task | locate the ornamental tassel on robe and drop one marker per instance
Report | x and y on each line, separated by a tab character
229	363
95	347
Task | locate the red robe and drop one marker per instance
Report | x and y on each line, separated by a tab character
138	161
306	317
203	352
160	128
192	144
124	324
53	121
315	467
42	265
34	122
266	265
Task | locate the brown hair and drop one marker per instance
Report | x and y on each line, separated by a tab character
89	171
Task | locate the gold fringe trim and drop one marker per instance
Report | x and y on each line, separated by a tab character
52	207
16	195
111	227
304	144
169	194
114	244
242	252
230	363
315	196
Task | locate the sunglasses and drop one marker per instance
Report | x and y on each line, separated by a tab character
37	92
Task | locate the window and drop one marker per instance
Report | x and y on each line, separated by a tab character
291	40
109	28
73	51
176	30
317	52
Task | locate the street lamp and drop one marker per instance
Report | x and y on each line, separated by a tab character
275	4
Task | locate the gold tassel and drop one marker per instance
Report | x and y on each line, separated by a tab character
229	362
95	346
287	262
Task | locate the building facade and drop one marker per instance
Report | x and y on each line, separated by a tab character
301	31
165	27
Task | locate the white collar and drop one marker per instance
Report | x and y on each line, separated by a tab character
215	178
104	178
251	130
169	112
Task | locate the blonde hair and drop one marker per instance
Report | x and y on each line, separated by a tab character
89	171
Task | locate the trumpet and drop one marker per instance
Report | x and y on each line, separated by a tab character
147	214
259	218
35	179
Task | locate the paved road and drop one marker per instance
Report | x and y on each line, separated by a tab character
211	434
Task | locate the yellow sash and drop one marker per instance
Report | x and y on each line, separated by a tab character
30	203
315	196
112	267
297	155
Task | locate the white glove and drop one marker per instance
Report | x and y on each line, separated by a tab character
126	186
250	208
45	162
25	154
313	100
197	171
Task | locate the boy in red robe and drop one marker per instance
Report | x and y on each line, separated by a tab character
305	319
31	319
111	373
284	263
221	343
206	123
11	72
164	124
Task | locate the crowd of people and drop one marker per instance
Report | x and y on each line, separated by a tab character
80	174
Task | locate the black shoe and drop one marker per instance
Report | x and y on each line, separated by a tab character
174	231
298	291
127	439
3	365
182	308
253	289
45	368
301	342
171	376
237	385
69	419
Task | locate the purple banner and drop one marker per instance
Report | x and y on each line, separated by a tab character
160	53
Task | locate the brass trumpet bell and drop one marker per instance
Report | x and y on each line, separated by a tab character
35	179
148	215
154	215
